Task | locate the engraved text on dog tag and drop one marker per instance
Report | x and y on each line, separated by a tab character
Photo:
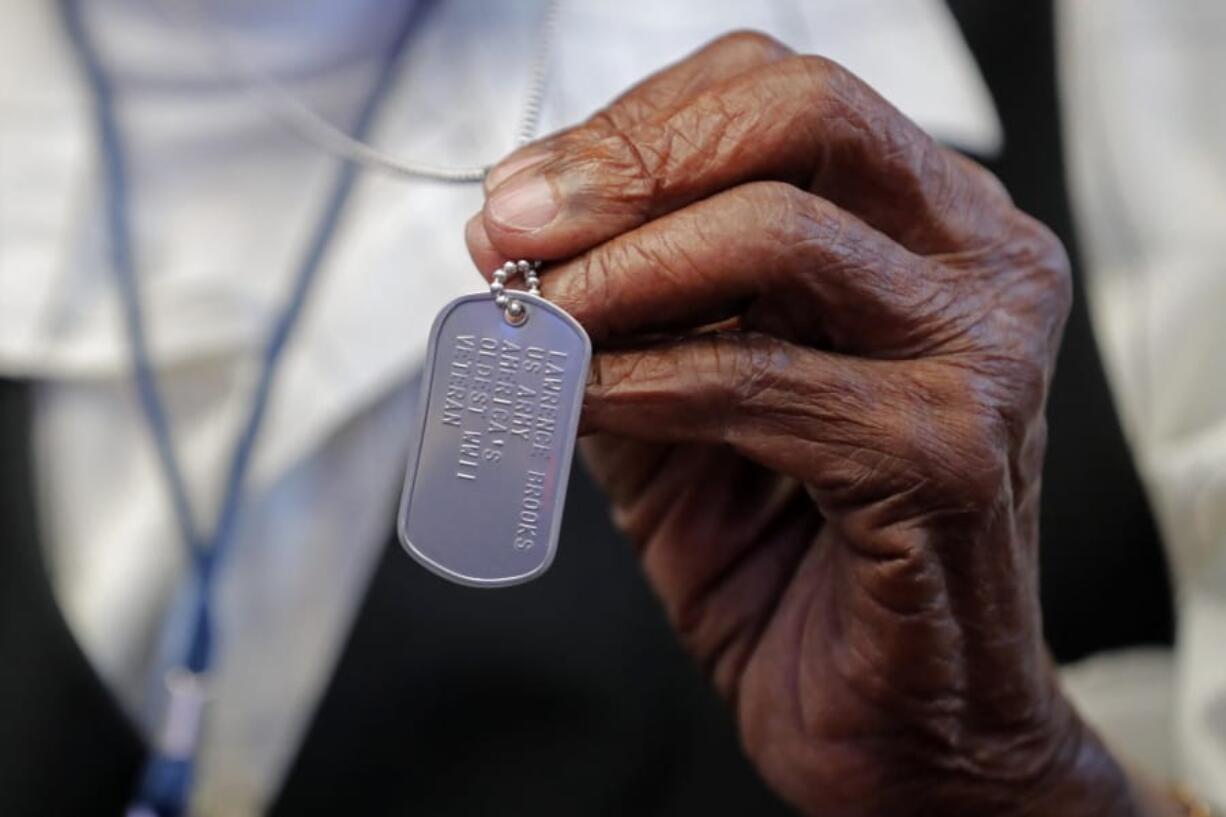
496	425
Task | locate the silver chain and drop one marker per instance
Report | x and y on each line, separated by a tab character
317	130
513	308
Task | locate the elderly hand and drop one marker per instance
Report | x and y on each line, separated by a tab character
823	348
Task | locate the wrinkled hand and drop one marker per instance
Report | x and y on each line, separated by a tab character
823	348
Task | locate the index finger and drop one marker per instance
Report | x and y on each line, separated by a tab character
803	120
728	56
723	58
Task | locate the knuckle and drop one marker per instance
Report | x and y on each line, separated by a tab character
588	283
1011	387
787	214
796	222
1025	282
741	373
904	150
754	368
756	45
981	178
981	455
1026	395
821	71
824	85
1049	258
1042	278
626	162
628	378
1035	245
605	372
965	440
926	175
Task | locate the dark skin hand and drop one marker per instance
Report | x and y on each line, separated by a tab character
823	349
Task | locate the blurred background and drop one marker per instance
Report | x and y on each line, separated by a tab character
354	682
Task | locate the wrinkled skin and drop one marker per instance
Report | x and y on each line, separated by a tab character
823	348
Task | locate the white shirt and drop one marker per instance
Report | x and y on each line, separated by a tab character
1145	113
224	199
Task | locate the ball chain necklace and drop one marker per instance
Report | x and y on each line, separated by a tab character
314	128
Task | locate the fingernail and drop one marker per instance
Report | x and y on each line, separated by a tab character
524	203
513	164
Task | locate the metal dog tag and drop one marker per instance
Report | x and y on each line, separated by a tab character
497	421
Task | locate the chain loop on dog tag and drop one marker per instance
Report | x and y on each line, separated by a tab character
501	394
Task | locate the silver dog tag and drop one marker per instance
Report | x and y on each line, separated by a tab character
497	421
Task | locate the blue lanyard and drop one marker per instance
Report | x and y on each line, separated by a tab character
165	785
